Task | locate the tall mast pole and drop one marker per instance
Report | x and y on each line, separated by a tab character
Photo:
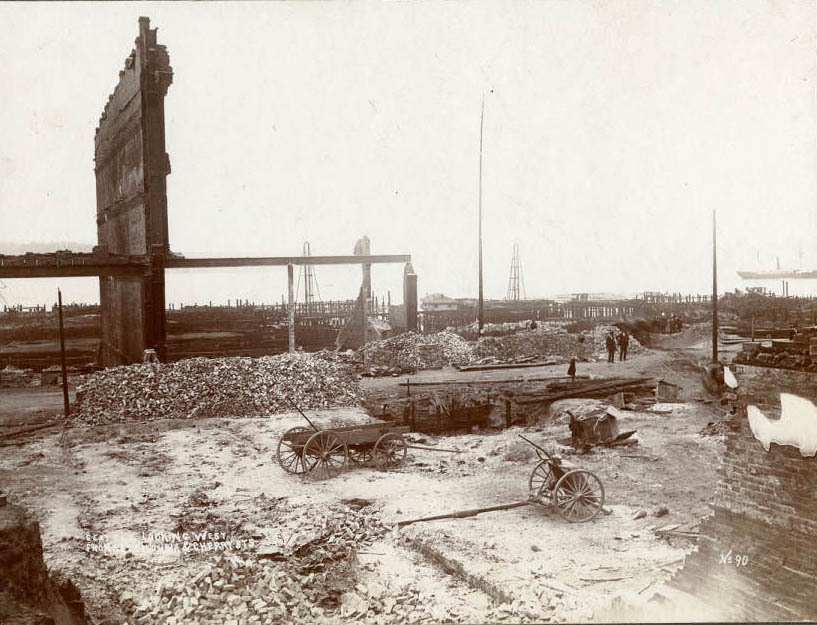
66	404
480	309
714	291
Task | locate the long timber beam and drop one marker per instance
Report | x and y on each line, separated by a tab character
79	268
88	270
271	261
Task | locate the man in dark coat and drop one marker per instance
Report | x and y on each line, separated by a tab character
623	343
571	369
611	347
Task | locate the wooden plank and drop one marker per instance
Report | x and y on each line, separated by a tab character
359	437
273	261
355	434
492	381
519	365
585	389
462	514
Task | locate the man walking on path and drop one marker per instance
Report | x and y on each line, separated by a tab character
623	343
611	347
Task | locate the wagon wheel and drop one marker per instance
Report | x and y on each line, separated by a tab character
389	450
360	455
324	454
541	480
579	496
291	455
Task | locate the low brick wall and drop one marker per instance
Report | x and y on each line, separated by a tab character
763	385
757	553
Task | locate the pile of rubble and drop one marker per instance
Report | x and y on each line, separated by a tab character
412	351
307	582
793	357
598	336
547	341
221	387
14	376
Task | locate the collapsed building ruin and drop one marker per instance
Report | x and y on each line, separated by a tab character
133	251
756	557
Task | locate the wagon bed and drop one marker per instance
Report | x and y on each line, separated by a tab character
324	453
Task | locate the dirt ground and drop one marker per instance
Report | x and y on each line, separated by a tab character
32	405
121	484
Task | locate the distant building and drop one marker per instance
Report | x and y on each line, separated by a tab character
437	302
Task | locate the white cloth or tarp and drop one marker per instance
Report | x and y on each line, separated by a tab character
797	425
729	378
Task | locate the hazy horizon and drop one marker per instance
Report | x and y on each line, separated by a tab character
612	131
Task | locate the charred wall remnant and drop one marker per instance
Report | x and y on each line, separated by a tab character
758	551
29	593
130	166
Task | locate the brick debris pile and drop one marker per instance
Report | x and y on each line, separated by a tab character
219	387
794	356
412	351
307	581
598	335
549	341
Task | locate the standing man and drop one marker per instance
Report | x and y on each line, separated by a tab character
611	347
623	343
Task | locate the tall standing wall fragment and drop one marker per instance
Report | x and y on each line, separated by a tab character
757	553
131	166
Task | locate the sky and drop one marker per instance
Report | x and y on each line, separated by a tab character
612	130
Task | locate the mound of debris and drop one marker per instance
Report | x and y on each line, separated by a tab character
220	387
598	334
305	582
547	341
412	351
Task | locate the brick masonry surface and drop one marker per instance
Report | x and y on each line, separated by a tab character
757	552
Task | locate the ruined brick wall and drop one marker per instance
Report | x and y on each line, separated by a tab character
762	385
130	167
757	553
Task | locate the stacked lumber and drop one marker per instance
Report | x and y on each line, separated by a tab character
589	389
220	387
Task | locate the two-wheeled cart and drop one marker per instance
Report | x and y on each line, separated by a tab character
577	494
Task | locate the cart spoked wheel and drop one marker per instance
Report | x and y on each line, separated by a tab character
541	480
579	496
290	453
360	455
324	454
389	451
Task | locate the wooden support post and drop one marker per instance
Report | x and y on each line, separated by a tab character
714	291
65	402
410	297
507	413
291	291
364	309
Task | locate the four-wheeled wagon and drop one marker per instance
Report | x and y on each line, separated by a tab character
324	453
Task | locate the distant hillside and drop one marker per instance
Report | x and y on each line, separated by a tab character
8	247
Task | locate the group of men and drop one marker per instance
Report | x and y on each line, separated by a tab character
622	341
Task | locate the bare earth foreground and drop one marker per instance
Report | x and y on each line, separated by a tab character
122	485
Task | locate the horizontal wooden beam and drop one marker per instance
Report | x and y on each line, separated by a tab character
49	267
282	261
83	270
